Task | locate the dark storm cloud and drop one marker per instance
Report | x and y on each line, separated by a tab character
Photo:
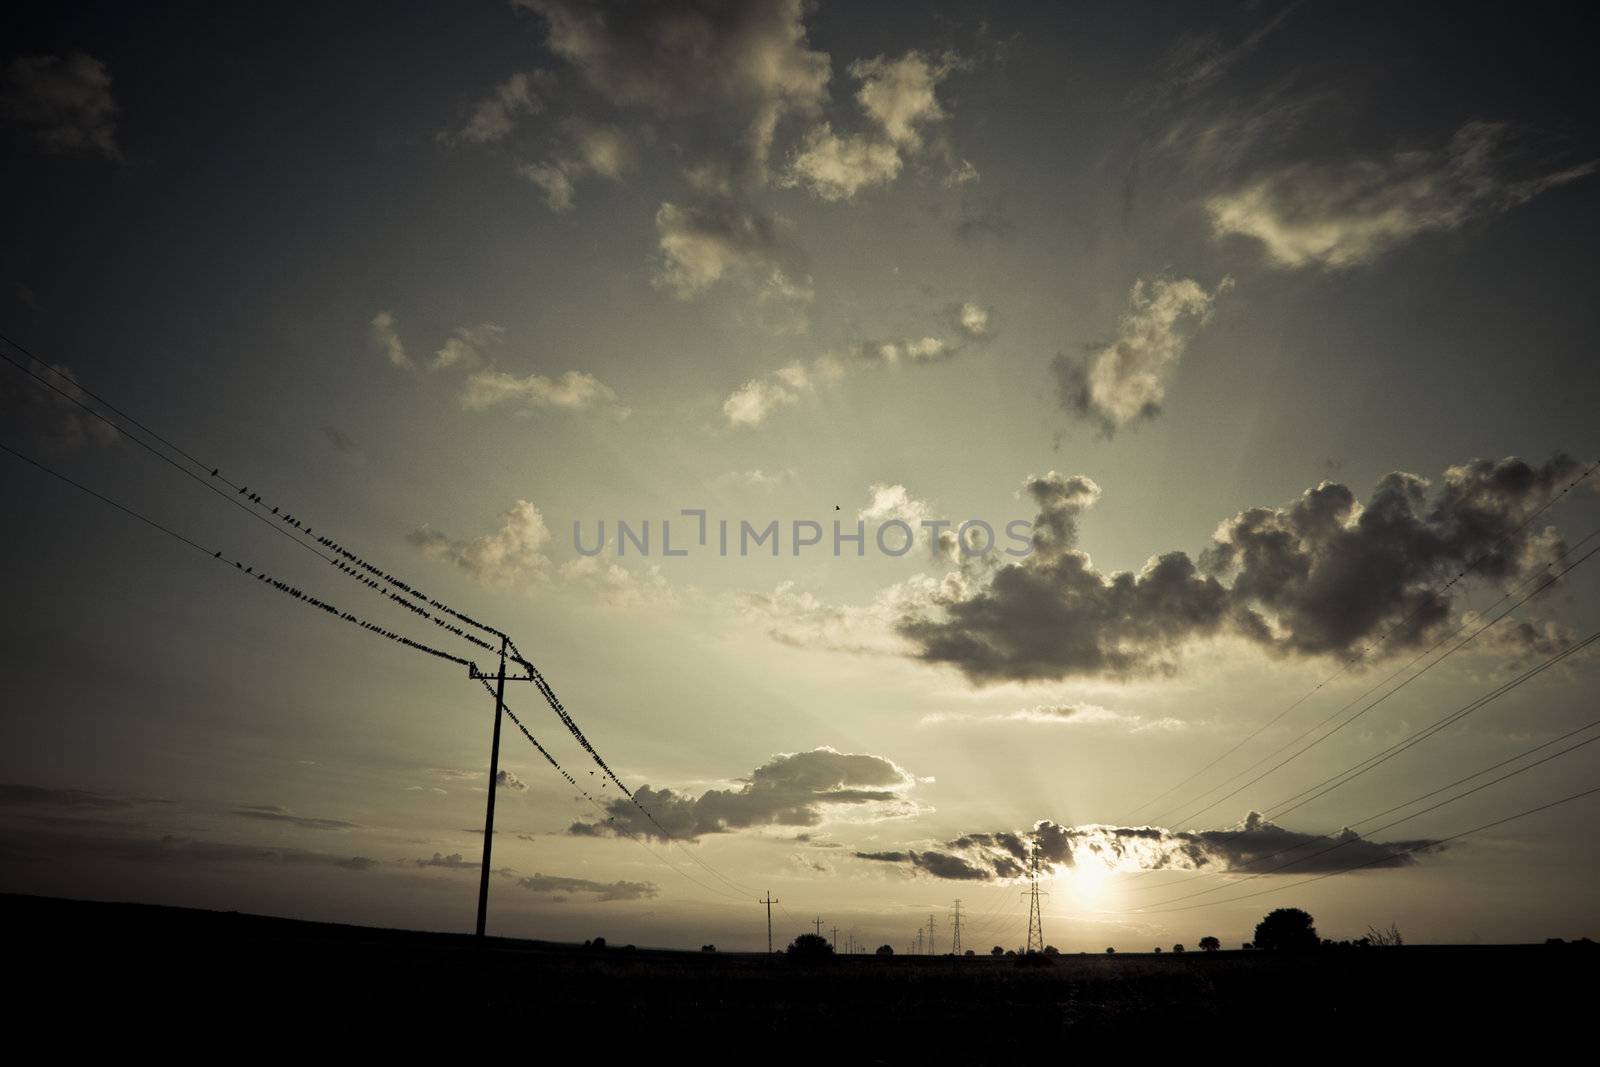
452	862
274	813
111	842
938	864
602	891
793	789
1322	575
1255	845
31	796
63	103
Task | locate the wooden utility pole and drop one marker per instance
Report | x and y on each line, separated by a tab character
818	925
769	902
494	776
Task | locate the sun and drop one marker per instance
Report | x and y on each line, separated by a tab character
1088	881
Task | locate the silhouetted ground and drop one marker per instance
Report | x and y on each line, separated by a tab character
146	977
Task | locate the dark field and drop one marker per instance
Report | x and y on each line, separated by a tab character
111	972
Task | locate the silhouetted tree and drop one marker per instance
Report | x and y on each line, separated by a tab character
1209	944
997	951
597	943
1111	952
1177	948
809	948
708	948
1286	929
885	950
969	952
1158	950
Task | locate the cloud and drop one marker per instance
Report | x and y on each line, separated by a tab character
745	63
452	862
897	96
513	554
20	796
573	391
717	241
602	891
1060	715
1348	214
592	150
65	103
496	115
1127	379
1254	845
756	399
618	586
1321	576
837	168
387	338
507	780
971	320
798	618
791	789
894	502
756	478
274	813
51	415
340	441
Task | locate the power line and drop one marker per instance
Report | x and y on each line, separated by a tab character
281	586
1372	862
1366	649
1342	842
1399	671
1390	810
1278	766
287	522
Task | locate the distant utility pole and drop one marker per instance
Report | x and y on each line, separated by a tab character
1035	919
818	925
836	939
769	902
494	776
930	934
955	942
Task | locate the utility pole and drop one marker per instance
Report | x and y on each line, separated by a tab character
769	902
818	925
930	934
494	777
836	939
1035	919
955	942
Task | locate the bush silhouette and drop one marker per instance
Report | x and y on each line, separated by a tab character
885	950
1209	944
1111	952
997	951
708	948
810	948
1177	948
1286	929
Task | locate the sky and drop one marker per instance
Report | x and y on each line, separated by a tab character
1149	441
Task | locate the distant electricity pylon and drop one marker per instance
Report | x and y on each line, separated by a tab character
1035	920
955	940
931	949
769	902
